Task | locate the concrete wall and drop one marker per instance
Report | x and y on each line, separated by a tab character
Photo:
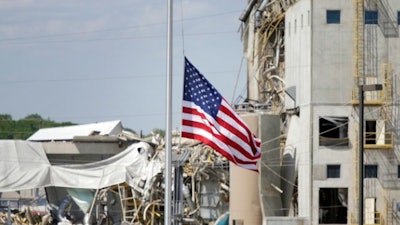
344	156
319	62
298	51
252	71
319	65
298	27
332	53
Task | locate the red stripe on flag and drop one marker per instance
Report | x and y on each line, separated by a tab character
220	136
239	122
217	148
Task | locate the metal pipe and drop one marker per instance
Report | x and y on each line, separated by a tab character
63	206
8	214
86	219
178	195
247	11
264	4
188	197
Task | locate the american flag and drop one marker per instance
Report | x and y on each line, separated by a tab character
208	117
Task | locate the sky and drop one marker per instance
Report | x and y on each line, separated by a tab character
96	60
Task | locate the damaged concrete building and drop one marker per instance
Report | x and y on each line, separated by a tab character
323	98
329	70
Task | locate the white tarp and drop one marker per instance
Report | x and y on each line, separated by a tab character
24	165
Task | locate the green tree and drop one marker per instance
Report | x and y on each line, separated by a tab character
34	116
24	128
5	117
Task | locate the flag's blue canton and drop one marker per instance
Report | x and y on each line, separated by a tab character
199	91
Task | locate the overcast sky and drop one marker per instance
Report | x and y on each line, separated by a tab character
95	60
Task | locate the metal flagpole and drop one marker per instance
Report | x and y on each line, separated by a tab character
168	154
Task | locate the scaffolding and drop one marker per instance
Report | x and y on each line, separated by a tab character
358	40
367	61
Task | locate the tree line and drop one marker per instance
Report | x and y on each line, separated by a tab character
23	128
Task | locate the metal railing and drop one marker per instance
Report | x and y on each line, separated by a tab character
377	98
374	219
377	140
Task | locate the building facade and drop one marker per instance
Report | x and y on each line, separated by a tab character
307	60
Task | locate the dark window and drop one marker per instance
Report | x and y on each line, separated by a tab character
332	16
333	205
371	17
333	171
371	171
398	171
398	17
370	132
333	131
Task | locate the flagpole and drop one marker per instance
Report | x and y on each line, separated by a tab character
168	154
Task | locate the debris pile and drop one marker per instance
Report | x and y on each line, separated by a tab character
200	188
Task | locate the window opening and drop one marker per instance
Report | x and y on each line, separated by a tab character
398	171
333	171
370	132
371	17
371	171
333	205
333	131
398	17
333	16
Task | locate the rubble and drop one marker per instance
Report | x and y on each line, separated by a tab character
200	192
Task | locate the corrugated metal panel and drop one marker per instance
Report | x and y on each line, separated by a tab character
181	158
68	133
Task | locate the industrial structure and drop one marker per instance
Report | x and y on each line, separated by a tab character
102	174
329	70
323	98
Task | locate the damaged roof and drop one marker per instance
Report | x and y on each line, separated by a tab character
69	132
